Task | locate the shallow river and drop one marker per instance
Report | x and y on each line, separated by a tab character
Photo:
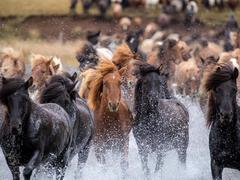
198	166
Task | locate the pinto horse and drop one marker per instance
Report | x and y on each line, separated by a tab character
160	124
223	118
61	90
113	119
32	134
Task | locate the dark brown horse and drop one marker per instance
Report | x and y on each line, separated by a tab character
161	124
32	134
223	118
61	90
113	119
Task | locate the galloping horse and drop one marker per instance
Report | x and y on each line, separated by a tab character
60	90
113	120
32	134
160	124
223	118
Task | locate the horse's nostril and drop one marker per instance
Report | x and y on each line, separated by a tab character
14	131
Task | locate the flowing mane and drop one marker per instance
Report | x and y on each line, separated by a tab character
37	59
87	77
102	69
220	73
123	55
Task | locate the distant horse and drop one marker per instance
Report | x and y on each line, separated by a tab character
42	69
32	134
102	5
113	119
223	118
160	124
88	55
61	90
11	63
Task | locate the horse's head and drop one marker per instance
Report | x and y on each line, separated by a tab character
41	71
105	87
12	64
60	89
174	51
87	56
112	90
221	83
14	95
151	80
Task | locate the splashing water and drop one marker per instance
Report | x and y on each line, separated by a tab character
198	160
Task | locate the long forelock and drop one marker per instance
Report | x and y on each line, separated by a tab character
221	73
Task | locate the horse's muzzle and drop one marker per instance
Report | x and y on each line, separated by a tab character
113	107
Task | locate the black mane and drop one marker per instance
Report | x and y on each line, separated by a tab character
10	86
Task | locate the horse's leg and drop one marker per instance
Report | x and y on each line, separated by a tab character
124	155
87	5
144	159
182	155
82	159
73	6
15	172
100	154
61	164
216	170
159	163
31	165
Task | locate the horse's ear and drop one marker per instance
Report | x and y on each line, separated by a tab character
56	67
235	73
28	83
74	77
202	60
73	86
122	71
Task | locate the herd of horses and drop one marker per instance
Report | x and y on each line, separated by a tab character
50	116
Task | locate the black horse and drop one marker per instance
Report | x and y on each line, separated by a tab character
161	124
61	90
32	134
223	117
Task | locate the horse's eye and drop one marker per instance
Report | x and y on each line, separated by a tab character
5	70
42	71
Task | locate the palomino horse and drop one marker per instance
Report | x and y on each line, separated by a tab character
223	118
113	119
42	68
160	124
11	63
61	90
32	134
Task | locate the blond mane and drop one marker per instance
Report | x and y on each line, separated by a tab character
103	68
87	77
123	55
10	52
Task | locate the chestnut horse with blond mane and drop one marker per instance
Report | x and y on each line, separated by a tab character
113	119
